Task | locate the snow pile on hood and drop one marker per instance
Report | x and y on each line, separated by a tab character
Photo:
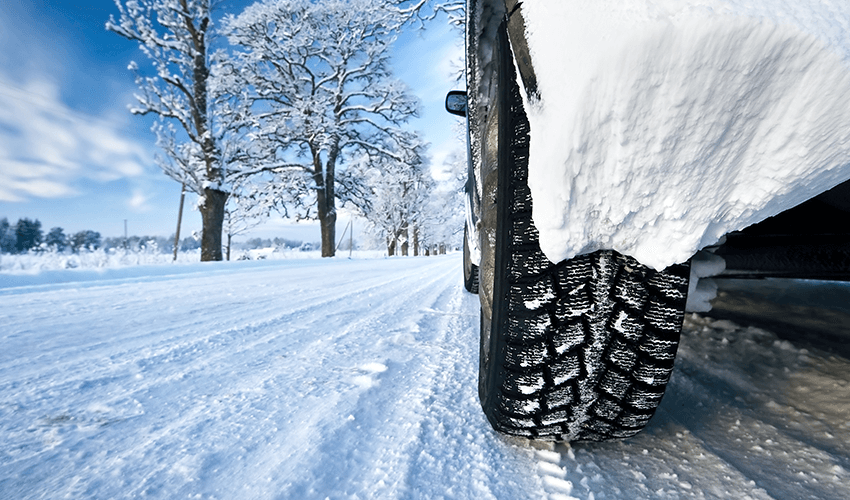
662	125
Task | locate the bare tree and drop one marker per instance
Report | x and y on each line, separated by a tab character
174	35
322	95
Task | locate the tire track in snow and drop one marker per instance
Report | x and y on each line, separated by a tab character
481	464
363	361
367	452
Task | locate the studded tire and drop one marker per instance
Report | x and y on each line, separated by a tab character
581	350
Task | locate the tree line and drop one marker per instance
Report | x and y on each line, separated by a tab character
289	106
27	235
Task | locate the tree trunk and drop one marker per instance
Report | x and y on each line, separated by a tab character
323	176
416	241
390	246
212	216
404	242
327	223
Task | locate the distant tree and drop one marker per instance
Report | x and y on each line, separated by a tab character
243	212
287	243
28	234
397	202
7	236
56	238
174	35
85	240
443	222
316	91
190	243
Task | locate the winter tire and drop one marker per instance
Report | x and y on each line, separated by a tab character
470	270
581	350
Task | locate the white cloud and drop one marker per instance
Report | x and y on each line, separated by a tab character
139	201
47	148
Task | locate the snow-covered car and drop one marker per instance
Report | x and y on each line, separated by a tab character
618	151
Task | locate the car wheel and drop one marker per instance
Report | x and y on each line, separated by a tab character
470	270
581	350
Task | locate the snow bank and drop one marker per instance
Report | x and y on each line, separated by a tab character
662	125
52	268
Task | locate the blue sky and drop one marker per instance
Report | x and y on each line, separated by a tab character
71	154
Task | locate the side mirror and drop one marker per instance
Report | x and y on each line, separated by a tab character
456	102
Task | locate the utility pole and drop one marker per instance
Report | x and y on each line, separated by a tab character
179	219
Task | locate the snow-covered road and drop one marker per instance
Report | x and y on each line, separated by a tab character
357	379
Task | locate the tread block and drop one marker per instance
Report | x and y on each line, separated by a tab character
660	349
560	397
622	355
664	318
598	430
527	263
636	421
578	302
523	232
651	374
615	384
622	433
629	326
645	399
526	356
569	336
531	297
565	369
527	329
574	273
671	287
524	384
519	407
632	293
554	418
607	409
521	201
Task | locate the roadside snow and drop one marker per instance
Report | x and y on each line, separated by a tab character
663	125
344	379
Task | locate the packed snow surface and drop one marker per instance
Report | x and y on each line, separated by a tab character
356	379
662	125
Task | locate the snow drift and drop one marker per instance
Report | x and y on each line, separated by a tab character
662	125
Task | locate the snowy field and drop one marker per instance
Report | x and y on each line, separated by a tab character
337	378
